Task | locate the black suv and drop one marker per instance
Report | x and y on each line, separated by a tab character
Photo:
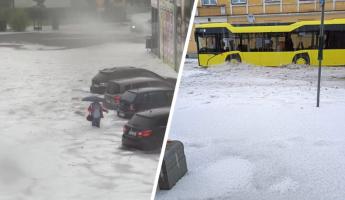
99	82
146	129
115	88
142	99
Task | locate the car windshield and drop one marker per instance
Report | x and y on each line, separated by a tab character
128	96
113	88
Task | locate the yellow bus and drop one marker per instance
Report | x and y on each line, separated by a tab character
269	44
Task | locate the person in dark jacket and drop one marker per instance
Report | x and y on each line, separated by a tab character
96	111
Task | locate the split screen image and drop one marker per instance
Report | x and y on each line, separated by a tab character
172	100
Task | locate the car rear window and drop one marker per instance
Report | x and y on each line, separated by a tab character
102	77
113	88
159	84
142	121
128	96
148	73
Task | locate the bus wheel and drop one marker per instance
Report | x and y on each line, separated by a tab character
301	59
233	59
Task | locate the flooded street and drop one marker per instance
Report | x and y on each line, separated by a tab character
47	148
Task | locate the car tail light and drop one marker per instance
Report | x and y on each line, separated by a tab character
125	129
145	133
131	107
117	99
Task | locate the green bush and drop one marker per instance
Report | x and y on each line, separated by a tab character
19	20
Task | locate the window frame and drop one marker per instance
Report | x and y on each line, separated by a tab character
209	3
272	2
239	3
306	1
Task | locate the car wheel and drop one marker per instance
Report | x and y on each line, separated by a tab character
301	59
233	59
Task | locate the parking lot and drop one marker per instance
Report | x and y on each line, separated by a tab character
47	148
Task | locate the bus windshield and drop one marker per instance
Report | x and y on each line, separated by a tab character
214	41
207	43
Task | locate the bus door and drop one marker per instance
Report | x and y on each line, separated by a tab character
265	49
250	46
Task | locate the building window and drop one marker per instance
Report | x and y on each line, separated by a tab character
222	10
306	1
209	2
272	1
236	2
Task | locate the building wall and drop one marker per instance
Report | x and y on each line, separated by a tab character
48	3
6	4
266	11
170	24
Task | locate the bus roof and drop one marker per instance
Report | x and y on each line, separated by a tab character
266	29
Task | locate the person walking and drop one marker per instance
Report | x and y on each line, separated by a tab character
96	111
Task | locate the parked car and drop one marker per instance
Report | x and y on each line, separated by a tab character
99	82
115	88
142	99
146	129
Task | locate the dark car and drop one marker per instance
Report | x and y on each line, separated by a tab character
146	129
99	82
142	99
114	89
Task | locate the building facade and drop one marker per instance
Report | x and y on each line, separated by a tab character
263	12
267	11
170	21
6	4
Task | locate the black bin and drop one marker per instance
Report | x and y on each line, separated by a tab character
174	165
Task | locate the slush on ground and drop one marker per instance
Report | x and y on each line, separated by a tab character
47	148
254	133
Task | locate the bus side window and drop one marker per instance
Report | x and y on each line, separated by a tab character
288	42
237	42
280	42
226	44
243	44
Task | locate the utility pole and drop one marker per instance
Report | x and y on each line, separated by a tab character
176	65
320	55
